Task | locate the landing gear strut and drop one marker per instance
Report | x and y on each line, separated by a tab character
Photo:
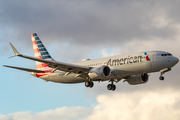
89	84
111	86
162	72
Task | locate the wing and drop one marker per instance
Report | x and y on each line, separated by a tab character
57	65
24	69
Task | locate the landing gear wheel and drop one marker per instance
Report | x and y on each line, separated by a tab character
87	83
113	87
161	78
109	86
91	84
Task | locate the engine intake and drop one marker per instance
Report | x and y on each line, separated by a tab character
138	79
102	72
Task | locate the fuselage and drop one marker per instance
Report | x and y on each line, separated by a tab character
121	66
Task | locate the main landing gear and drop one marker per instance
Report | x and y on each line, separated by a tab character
89	84
111	86
162	72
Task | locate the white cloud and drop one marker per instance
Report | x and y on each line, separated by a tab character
64	113
137	105
140	105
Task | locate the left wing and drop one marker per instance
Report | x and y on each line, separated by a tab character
24	69
56	65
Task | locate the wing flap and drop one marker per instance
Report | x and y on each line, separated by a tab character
24	69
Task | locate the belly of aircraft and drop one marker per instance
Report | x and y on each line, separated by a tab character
61	78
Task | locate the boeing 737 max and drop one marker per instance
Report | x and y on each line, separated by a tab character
133	68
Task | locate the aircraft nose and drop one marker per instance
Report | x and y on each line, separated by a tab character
175	60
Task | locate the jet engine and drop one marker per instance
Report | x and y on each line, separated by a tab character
138	79
102	72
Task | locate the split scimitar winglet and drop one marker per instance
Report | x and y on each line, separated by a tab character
14	49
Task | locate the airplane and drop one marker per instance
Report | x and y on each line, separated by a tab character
133	68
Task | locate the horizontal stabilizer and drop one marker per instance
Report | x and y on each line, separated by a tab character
24	69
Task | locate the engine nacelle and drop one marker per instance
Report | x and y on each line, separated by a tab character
138	79
102	72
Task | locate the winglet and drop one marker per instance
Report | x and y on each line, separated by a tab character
14	49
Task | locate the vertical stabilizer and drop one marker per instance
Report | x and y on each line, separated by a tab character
40	52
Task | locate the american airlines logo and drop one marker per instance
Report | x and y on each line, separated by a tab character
122	61
147	57
128	60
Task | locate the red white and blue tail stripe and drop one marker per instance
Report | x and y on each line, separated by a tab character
40	52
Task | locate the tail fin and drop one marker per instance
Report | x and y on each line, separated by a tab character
40	52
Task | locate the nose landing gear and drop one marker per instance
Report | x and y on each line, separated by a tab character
162	72
161	78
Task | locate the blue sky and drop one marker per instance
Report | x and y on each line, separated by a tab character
74	30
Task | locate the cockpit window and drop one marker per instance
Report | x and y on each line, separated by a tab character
166	54
169	54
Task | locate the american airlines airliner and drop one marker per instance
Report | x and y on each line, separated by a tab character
131	68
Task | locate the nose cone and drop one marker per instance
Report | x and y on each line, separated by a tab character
175	60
